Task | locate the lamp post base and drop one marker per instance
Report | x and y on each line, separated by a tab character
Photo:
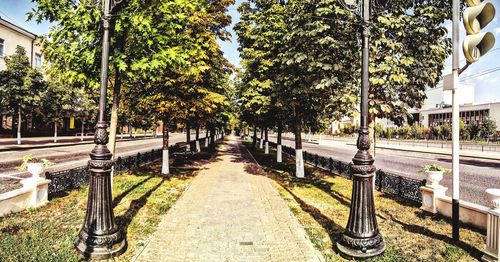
360	248
100	246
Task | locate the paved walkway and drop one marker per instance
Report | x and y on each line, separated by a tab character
228	214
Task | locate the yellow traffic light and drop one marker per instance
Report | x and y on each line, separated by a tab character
477	16
475	46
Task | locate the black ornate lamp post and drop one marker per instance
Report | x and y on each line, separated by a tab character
361	238
100	237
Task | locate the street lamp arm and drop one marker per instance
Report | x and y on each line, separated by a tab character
461	70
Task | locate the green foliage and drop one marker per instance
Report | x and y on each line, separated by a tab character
433	167
474	129
30	159
164	56
349	128
302	59
20	84
488	128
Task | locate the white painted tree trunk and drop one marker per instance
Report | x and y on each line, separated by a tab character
266	151
83	130
279	154
18	127
188	147
206	141
309	137
165	170
198	149
55	132
299	163
261	143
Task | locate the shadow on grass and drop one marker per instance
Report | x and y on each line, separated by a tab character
119	198
309	180
334	230
135	206
416	229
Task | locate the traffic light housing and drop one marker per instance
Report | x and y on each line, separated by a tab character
476	16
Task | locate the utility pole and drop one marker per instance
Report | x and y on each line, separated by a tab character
455	123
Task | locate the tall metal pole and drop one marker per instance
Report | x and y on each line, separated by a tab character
100	237
455	123
361	238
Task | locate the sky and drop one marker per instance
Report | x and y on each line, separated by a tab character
484	75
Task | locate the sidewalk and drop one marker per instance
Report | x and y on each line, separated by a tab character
230	214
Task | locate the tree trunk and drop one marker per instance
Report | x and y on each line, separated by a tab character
18	126
114	115
165	170
299	157
261	141
254	138
206	136
278	147
266	150
188	138
198	149
121	132
371	130
83	129
55	131
212	137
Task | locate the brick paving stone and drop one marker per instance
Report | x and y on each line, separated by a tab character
228	214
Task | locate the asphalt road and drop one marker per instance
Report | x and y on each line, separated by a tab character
476	175
76	155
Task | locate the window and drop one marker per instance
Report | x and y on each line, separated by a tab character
38	60
2	47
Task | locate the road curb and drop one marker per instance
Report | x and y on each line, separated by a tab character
68	144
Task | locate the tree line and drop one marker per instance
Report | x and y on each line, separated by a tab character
165	64
474	130
301	63
26	94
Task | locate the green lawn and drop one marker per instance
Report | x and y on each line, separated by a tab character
47	233
321	204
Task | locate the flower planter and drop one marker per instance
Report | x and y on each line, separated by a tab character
494	197
35	169
433	178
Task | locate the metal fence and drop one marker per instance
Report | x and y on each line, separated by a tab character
65	180
403	187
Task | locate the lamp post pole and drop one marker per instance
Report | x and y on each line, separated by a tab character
361	238
100	237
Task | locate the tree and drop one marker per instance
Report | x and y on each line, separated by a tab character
139	44
20	86
474	129
464	133
57	102
488	128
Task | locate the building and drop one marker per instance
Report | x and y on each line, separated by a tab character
437	108
12	36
